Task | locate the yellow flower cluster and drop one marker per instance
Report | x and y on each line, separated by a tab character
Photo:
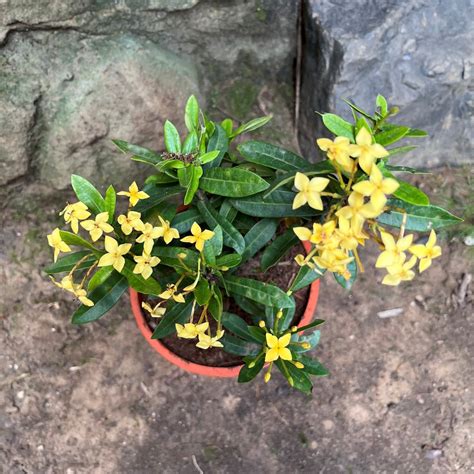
202	332
76	289
335	242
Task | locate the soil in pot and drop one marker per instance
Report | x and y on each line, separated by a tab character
281	275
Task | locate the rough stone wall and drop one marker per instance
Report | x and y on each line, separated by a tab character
418	53
77	73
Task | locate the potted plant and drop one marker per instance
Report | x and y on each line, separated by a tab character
224	245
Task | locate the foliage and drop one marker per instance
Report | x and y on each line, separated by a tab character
209	206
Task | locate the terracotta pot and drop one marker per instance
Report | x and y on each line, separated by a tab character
136	302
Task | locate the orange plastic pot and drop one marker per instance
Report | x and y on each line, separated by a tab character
192	367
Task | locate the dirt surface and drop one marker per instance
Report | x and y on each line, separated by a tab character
98	399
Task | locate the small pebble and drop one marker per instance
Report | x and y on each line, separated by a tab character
20	395
433	454
390	313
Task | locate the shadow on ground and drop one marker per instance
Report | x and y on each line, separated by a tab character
98	399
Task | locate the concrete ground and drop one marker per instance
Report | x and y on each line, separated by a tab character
97	399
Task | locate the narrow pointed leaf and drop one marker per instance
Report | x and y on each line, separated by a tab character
172	140
67	263
138	153
88	194
278	249
179	313
258	236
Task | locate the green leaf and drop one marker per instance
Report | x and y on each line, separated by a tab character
338	126
416	133
312	324
227	125
400	149
209	156
191	116
305	277
216	303
271	156
252	125
99	277
405	169
139	153
278	204
232	182
250	307
390	134
300	380
202	293
230	260
411	194
138	283
312	366
217	242
381	103
218	141
228	211
312	339
347	284
263	293
110	201
357	109
419	218
193	185
169	256
73	239
238	326
179	313
237	346
88	194
258	236
160	178
232	237
278	248
104	298
247	374
66	263
184	220
323	167
157	195
172	140
191	143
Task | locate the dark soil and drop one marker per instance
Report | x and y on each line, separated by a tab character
280	275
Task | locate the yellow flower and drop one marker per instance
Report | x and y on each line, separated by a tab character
55	241
357	209
98	226
334	260
114	255
130	222
65	284
191	330
399	272
393	251
134	194
199	236
377	187
309	191
366	151
155	312
148	236
338	151
206	341
167	232
145	264
73	213
81	295
171	292
277	347
350	234
426	252
68	284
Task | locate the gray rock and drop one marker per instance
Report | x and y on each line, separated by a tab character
417	53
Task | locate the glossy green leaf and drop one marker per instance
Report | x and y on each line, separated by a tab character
401	149
138	153
218	141
263	293
104	298
381	103
74	239
312	366
217	242
237	346
271	156
67	263
411	194
338	126
311	325
160	178
228	261
184	220
300	380
250	307
416	133
419	218
390	134
216	303
278	248
405	169
232	237
193	184
178	313
252	125
357	109
247	374
169	256
209	156
238	326
232	182
305	277
138	283
312	339
228	126
288	316
191	115
202	293
228	211
258	236
88	194
172	140
110	201
190	144
157	195
278	204
99	277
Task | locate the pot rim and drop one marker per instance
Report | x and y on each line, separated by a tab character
206	370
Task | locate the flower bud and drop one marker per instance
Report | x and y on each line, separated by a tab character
267	377
291	381
306	345
299	365
261	323
294	328
279	314
251	365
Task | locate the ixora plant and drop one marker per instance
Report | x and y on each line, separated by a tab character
214	215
